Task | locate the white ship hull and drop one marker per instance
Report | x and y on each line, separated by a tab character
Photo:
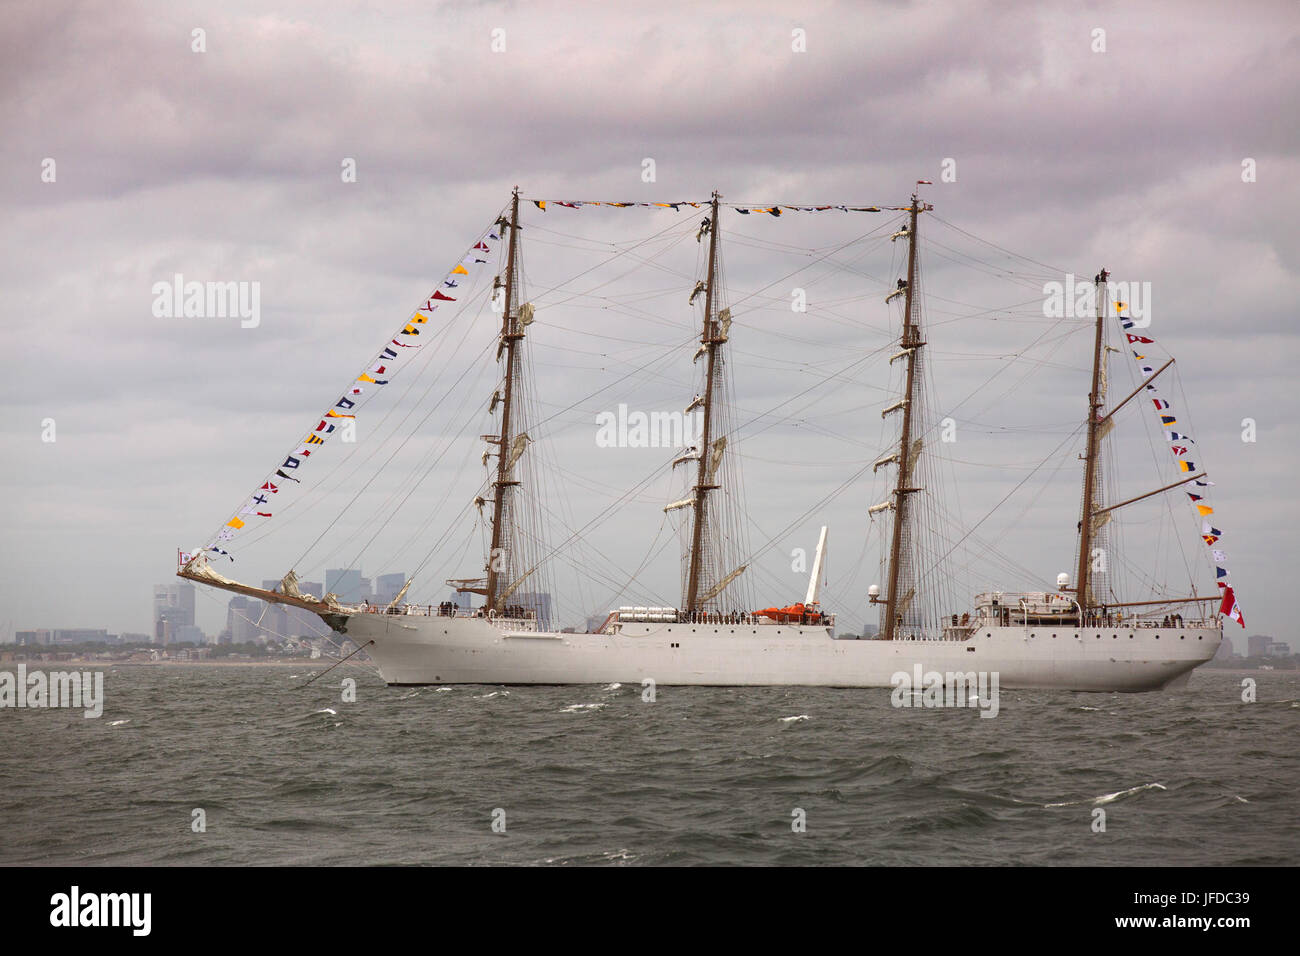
417	649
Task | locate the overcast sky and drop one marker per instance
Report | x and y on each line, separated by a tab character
224	165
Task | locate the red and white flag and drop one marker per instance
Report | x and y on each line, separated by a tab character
182	558
1230	608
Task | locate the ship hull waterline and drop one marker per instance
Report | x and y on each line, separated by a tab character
418	650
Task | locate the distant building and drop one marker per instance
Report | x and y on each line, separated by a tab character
538	601
241	619
1257	645
387	587
281	622
79	635
346	583
173	607
188	634
50	637
1278	649
303	623
275	619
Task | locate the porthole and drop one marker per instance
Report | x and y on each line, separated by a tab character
1114	637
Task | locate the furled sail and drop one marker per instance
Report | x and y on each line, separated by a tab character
912	457
289	586
516	449
881	462
721	585
690	454
715	458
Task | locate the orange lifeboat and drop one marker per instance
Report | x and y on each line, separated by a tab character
795	613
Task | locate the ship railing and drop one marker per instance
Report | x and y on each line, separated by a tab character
447	609
721	618
1092	621
742	618
1176	622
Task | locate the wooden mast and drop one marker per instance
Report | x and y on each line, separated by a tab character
1082	585
709	341
911	342
510	337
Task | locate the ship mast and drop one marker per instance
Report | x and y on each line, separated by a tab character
709	341
911	343
1083	590
503	485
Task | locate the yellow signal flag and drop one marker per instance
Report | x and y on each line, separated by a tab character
365	378
460	271
333	414
234	523
1121	306
1205	509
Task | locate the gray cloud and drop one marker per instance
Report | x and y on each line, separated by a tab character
225	165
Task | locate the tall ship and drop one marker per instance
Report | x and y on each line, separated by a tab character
1090	632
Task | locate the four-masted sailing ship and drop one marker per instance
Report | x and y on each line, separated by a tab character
1068	638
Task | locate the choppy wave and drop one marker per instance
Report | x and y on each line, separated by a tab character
599	777
1109	797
